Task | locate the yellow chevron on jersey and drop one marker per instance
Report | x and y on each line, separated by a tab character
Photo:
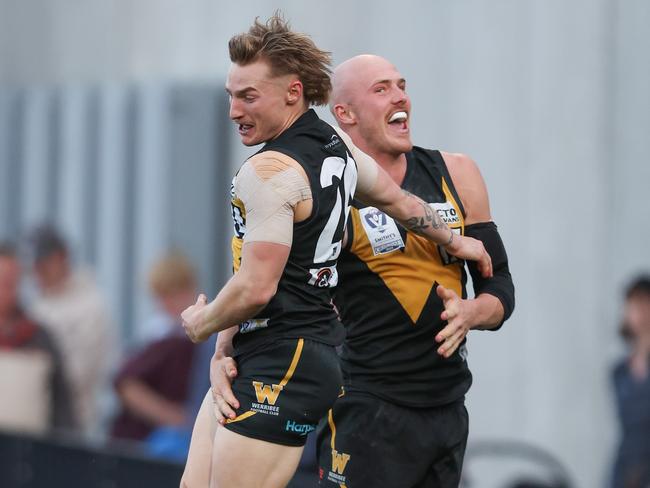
410	272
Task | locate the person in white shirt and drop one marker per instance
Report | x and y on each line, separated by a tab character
72	308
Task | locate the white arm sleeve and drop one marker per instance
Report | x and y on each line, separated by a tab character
269	190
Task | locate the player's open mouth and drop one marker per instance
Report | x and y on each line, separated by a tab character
399	120
244	128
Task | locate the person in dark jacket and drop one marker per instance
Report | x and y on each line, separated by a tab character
631	378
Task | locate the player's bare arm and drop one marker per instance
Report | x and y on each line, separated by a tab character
245	294
274	191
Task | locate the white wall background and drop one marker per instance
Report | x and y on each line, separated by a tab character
551	98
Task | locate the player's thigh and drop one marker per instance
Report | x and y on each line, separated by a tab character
450	425
365	441
199	458
348	451
240	461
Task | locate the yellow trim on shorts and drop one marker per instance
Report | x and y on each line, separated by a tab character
285	380
241	417
330	420
294	363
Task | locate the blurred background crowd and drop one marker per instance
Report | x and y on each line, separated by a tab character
115	163
64	367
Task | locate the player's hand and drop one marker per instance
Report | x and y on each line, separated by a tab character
191	319
471	249
223	370
456	313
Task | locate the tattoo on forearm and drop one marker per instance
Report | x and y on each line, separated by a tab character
420	223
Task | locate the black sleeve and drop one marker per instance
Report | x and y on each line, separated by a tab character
500	285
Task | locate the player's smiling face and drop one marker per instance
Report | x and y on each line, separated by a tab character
258	102
382	108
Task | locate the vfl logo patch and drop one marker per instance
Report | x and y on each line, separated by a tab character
381	230
376	220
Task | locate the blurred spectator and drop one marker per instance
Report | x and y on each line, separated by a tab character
632	389
34	393
154	384
72	308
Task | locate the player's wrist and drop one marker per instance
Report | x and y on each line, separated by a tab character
453	243
473	309
222	351
220	354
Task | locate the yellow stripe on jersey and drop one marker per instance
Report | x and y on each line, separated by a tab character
410	274
236	246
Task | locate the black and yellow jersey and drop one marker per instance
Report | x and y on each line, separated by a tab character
387	298
302	305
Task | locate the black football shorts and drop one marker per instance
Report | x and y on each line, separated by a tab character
284	388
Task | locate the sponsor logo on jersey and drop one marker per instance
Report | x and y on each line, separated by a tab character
447	212
335	140
381	230
302	429
324	277
253	324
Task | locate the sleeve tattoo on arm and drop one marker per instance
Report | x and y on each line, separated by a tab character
420	223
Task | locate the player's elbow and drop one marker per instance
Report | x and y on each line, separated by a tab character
259	294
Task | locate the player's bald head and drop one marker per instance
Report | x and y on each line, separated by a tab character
353	74
370	103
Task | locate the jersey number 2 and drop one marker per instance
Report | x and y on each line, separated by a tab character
326	250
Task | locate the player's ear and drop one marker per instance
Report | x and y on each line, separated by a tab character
294	92
344	114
